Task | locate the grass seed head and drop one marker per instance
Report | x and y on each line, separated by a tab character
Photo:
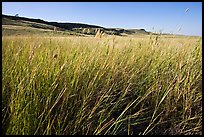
55	56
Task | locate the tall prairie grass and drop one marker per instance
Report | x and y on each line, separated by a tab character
112	85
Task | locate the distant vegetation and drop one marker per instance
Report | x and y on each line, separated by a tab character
70	27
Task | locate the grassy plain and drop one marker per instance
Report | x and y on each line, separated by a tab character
114	85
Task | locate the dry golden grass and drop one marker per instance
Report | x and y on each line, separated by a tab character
111	85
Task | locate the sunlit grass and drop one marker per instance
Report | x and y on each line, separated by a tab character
112	85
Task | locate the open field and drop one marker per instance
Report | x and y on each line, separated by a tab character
113	85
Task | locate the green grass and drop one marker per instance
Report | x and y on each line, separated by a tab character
113	85
13	30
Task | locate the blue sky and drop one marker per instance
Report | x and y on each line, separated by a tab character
167	17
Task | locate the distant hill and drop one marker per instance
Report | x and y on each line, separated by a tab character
13	23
